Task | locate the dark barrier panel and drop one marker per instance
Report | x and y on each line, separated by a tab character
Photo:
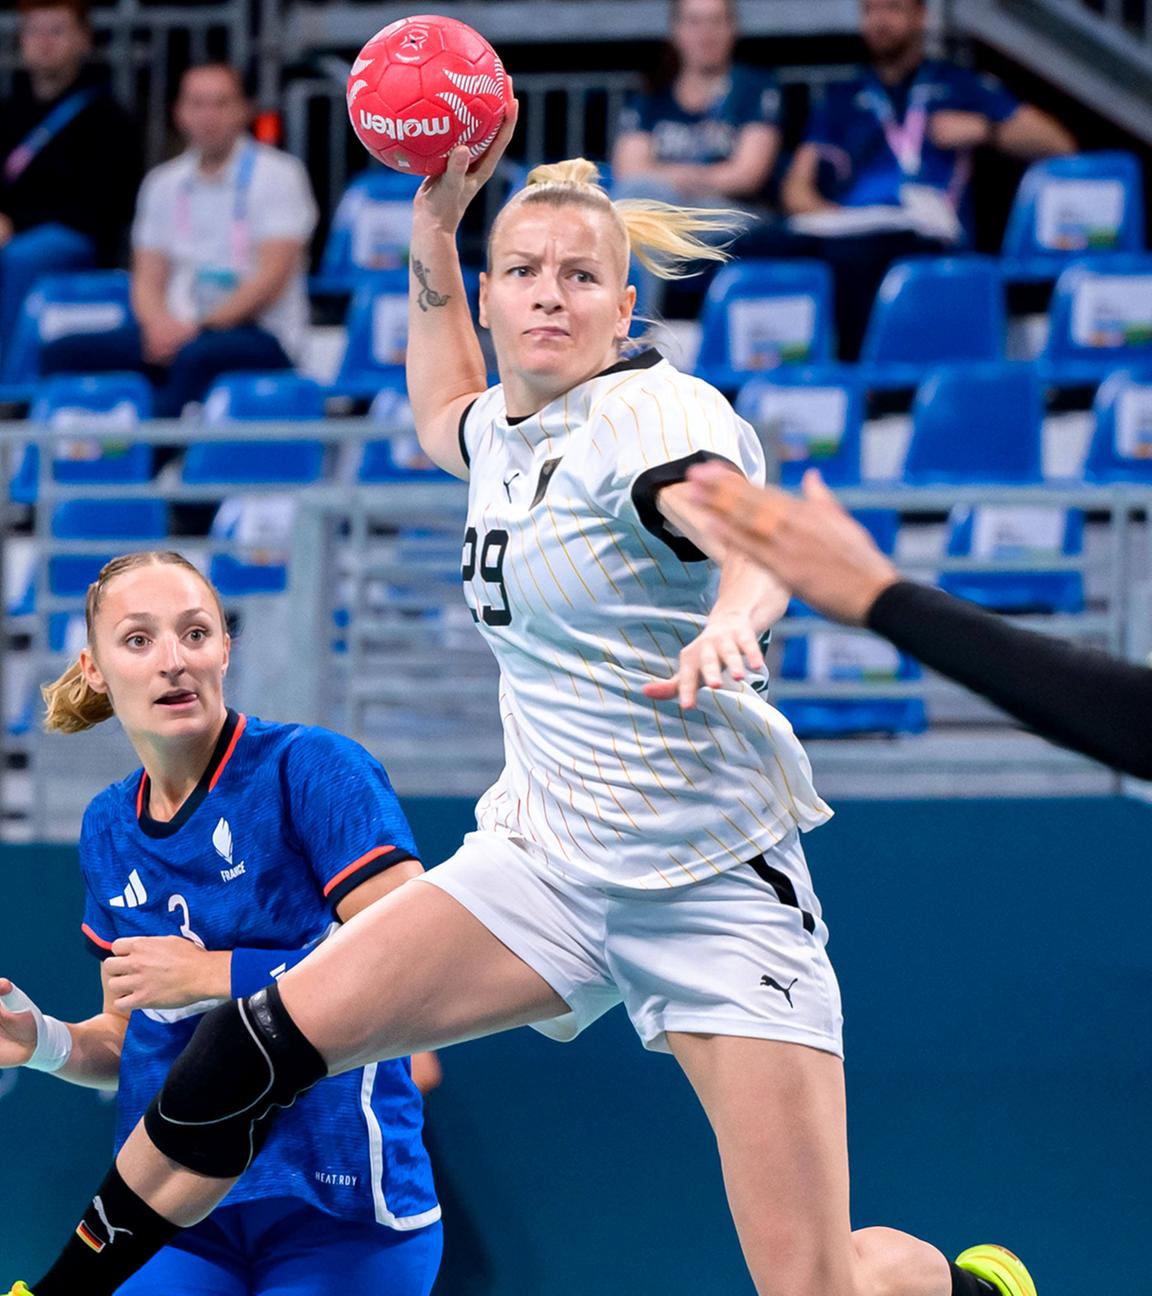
996	967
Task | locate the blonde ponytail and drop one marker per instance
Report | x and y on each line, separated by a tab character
72	704
572	171
664	238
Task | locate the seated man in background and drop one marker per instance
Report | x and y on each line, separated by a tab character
709	134
885	169
69	159
219	250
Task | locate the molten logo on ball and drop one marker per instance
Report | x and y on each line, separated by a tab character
395	128
422	87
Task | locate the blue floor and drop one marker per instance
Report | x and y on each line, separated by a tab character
997	970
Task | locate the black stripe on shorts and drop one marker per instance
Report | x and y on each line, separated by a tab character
782	884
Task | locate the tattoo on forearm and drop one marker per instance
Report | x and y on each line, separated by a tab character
428	297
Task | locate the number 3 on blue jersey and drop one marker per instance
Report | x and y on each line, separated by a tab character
178	902
492	549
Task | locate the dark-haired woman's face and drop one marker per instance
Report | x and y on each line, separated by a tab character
704	34
160	651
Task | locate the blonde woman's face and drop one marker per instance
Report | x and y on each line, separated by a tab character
555	299
160	652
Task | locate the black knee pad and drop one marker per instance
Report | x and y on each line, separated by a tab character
246	1059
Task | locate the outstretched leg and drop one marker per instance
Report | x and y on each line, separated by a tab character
778	1112
415	970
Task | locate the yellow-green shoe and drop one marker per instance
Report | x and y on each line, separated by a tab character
997	1265
20	1290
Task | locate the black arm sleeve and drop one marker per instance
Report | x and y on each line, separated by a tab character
1078	697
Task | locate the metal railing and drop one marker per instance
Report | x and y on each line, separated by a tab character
1118	23
415	691
573	112
337	24
562	115
1098	51
373	638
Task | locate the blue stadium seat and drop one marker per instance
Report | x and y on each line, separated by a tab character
246	397
933	310
236	578
831	654
1121	446
252	397
110	519
98	520
69	575
1003	532
813	416
377	335
72	403
92	301
399	457
977	423
371	230
1068	206
1101	320
759	315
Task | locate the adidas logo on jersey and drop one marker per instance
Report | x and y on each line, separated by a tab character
222	842
134	894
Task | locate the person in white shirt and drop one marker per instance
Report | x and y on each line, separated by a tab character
643	843
219	253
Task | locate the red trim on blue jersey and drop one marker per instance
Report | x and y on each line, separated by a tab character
140	793
240	724
96	940
357	864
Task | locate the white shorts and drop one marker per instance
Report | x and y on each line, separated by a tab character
741	953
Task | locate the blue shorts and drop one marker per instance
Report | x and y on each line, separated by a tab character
283	1247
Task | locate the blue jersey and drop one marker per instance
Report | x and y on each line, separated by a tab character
877	138
678	135
284	823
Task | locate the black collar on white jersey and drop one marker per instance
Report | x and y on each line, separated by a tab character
641	360
161	828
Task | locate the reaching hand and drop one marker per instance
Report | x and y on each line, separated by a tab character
728	642
165	972
17	1032
816	548
443	199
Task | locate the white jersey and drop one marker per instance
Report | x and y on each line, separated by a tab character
585	595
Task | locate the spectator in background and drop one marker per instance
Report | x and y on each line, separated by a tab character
69	161
707	135
219	250
884	171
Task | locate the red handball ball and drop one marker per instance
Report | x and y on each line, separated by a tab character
423	86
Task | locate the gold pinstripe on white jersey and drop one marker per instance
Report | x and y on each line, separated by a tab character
571	590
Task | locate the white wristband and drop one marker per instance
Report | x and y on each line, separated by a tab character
53	1038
